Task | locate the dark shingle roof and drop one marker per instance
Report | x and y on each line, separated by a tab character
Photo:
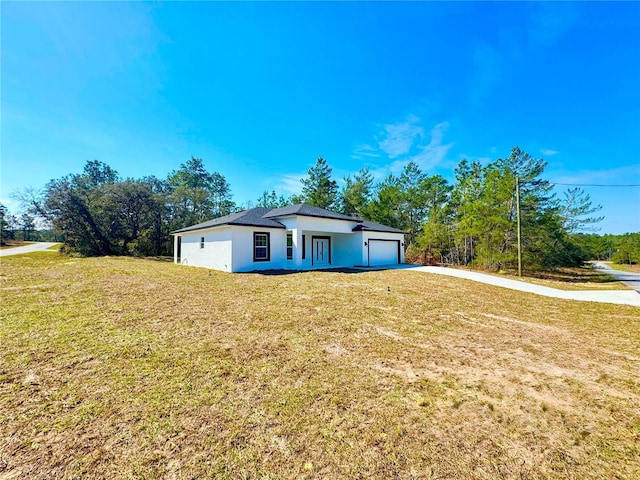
253	217
375	227
308	211
266	217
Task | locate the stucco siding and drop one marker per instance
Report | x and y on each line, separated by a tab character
346	250
243	250
216	253
326	225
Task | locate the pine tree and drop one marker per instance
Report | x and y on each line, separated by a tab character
318	189
356	194
271	200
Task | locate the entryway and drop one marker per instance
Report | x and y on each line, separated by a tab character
321	251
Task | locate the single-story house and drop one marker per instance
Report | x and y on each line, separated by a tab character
297	237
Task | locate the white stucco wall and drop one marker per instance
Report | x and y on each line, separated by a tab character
243	249
216	253
346	250
326	225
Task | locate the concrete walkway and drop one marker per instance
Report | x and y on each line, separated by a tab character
32	247
620	297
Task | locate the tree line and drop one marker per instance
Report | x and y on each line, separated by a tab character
20	227
96	212
472	221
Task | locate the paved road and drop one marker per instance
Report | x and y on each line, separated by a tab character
32	247
621	297
630	279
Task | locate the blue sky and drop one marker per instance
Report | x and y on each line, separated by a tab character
260	90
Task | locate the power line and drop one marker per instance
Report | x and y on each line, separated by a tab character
596	184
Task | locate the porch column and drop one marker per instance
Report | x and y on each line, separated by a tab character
175	249
299	247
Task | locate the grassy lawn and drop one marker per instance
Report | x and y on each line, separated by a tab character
131	368
625	267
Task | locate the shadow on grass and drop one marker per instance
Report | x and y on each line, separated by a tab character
570	275
165	259
329	270
565	275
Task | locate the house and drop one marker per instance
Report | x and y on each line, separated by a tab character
297	237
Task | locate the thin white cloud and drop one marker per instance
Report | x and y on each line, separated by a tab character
428	156
405	142
400	137
435	152
290	184
365	150
548	153
379	173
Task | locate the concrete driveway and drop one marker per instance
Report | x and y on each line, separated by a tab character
620	297
32	247
630	279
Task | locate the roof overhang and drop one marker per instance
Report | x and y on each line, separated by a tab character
233	224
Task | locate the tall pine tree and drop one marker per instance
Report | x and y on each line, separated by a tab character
318	189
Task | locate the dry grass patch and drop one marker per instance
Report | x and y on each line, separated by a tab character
129	368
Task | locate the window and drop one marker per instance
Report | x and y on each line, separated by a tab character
289	246
260	247
201	242
304	247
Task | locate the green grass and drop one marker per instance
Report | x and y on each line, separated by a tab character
625	267
130	368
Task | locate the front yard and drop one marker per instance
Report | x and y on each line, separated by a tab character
129	368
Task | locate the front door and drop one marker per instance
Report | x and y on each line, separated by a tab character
321	254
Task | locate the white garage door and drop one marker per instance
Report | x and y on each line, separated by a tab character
383	252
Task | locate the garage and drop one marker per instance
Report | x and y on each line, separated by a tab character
384	252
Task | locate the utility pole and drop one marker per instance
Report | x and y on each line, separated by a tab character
519	230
